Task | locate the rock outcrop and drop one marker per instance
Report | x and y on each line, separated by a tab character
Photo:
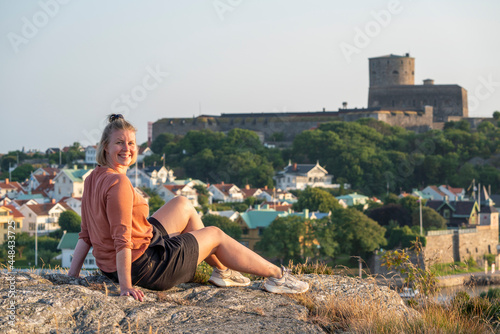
56	303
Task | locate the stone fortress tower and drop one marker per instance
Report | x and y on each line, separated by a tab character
392	71
392	87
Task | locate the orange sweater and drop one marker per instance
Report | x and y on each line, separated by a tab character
113	217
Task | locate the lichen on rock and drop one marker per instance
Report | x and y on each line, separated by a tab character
58	303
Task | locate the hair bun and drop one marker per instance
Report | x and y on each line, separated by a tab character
114	117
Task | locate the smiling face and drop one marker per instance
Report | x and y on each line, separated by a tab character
121	150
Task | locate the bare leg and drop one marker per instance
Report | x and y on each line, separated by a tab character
179	216
212	240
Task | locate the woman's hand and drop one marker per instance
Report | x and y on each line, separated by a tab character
136	293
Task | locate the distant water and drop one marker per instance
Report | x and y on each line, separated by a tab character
447	294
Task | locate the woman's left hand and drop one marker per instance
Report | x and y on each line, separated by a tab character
136	293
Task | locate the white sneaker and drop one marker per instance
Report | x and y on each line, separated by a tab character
286	284
228	277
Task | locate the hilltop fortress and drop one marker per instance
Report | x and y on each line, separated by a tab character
393	98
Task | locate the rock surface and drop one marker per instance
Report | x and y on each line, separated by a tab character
56	303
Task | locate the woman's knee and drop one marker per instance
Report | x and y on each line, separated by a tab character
182	202
215	233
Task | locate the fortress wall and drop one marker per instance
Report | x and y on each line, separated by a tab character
477	244
447	100
439	248
290	125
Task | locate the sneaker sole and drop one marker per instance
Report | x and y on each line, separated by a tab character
281	289
222	283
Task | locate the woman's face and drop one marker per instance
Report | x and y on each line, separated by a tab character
121	150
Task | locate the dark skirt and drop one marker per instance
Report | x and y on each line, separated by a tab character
167	261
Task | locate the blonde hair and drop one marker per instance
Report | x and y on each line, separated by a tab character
116	122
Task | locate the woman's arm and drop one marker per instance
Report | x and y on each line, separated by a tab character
124	269
81	251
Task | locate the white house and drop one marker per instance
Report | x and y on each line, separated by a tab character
75	203
69	183
43	217
10	189
90	155
225	193
231	214
442	192
150	177
300	176
67	246
169	191
143	152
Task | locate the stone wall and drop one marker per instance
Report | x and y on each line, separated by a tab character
291	124
439	248
447	100
449	246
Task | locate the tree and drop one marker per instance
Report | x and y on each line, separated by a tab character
356	233
316	199
326	234
496	115
233	229
287	238
70	221
23	240
402	237
431	220
391	212
161	141
22	172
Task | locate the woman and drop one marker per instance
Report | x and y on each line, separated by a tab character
163	250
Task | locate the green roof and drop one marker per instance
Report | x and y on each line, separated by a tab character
354	195
68	241
23	197
259	218
76	175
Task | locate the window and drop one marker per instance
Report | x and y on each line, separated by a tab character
91	261
261	230
446	214
244	231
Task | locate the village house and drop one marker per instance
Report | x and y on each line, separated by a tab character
10	189
67	246
457	213
354	199
8	214
442	192
43	218
300	176
225	193
230	214
150	177
75	203
91	154
142	153
169	191
69	182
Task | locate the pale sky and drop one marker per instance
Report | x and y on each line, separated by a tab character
65	64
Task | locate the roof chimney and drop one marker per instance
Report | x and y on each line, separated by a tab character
6	181
247	186
295	166
265	187
53	201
